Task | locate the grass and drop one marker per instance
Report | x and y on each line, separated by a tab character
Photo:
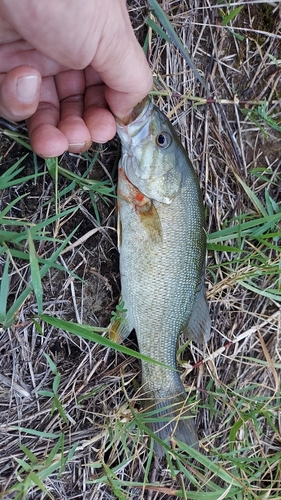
71	422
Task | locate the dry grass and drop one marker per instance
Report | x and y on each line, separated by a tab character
237	377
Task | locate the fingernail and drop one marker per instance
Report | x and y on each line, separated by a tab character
27	88
77	144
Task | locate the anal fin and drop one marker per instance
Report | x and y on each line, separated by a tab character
198	326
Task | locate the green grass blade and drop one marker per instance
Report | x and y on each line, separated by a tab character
229	17
46	394
158	30
163	19
50	220
52	165
6	210
58	406
11	172
35	274
9	177
20	180
89	333
25	466
254	199
71	452
37	481
54	451
20	138
51	364
210	465
11	314
244	228
4	290
272	206
223	248
25	256
33	432
273	295
29	454
56	382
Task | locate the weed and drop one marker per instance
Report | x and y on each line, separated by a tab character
33	472
56	404
120	312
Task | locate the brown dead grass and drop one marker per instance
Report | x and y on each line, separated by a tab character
221	142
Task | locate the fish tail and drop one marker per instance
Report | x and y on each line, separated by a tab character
169	417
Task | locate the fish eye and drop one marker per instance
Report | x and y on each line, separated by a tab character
163	140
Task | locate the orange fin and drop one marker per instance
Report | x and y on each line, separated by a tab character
151	221
119	330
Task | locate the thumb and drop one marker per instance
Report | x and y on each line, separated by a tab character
19	93
121	64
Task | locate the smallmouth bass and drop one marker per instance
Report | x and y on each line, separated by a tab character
162	245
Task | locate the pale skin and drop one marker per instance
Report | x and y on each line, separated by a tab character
68	67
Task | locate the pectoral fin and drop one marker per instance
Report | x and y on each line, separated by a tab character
151	221
143	206
198	326
119	330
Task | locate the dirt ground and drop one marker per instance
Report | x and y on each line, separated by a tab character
225	146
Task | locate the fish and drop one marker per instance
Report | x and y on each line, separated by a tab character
162	247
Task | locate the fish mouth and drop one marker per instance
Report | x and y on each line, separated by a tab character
139	109
137	112
138	128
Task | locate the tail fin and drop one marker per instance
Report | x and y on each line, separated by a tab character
170	417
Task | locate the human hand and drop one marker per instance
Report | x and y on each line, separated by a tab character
62	64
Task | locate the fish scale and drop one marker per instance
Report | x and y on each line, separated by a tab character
162	256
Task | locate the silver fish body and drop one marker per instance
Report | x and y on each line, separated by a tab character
162	259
